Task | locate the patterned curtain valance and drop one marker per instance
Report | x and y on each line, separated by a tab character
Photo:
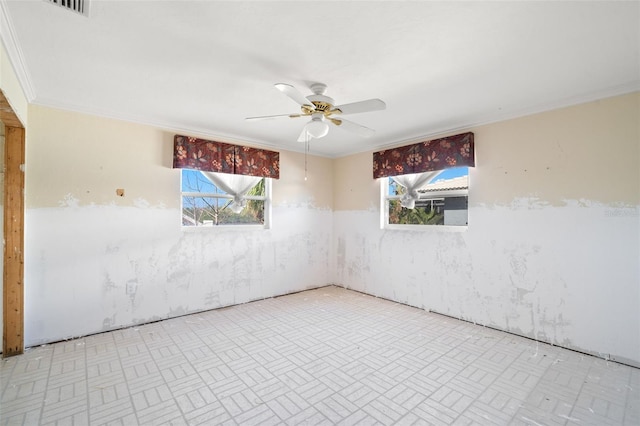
211	156
438	154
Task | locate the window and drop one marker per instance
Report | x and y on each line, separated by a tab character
218	199
430	198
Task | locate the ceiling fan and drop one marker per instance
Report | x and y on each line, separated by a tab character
322	111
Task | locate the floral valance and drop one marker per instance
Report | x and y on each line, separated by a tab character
438	154
211	156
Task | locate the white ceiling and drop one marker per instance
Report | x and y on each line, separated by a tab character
201	67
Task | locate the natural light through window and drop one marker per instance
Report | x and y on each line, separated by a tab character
219	199
431	198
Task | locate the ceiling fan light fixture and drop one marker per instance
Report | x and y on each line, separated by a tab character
317	127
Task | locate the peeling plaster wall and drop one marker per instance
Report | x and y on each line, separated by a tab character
552	248
95	261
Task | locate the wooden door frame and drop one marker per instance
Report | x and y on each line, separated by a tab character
13	207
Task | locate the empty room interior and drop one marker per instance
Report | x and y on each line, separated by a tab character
232	212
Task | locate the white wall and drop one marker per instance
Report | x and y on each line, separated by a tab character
552	248
84	245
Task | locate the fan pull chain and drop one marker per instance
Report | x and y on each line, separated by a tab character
306	151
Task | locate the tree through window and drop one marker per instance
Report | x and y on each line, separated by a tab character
431	198
215	199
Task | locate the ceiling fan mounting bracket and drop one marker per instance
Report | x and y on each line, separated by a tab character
318	88
318	99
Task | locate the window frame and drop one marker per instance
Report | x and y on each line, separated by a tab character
266	198
434	195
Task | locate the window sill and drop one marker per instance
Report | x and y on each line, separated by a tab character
222	228
426	228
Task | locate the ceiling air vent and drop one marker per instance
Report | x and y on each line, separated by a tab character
78	6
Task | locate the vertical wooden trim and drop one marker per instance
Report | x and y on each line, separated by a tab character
13	273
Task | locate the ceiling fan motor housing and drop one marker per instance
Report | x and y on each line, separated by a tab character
319	100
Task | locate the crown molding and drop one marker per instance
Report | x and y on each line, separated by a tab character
9	41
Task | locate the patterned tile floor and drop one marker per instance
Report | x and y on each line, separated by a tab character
325	356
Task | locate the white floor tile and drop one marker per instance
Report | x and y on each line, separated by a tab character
325	356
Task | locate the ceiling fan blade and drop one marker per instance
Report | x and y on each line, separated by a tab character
267	117
362	106
359	129
294	94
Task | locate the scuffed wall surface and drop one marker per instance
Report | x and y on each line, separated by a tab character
97	268
95	261
552	247
549	273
